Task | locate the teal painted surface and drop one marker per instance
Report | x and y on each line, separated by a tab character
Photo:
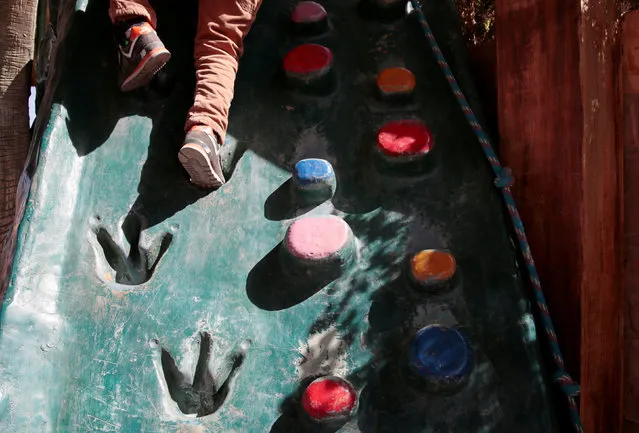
79	351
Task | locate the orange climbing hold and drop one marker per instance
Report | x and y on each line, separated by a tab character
395	82
432	266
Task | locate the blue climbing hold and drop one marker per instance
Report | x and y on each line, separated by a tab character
313	173
441	355
314	180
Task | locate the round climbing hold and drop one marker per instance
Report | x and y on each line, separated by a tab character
442	356
329	398
311	173
307	12
308	62
318	240
433	269
395	83
404	139
389	3
314	180
309	19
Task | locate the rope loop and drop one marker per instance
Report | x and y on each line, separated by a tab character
567	384
505	178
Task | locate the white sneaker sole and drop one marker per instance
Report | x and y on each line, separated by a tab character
197	164
146	70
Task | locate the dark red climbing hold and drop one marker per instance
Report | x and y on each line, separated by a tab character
308	62
404	138
329	398
308	12
390	3
309	19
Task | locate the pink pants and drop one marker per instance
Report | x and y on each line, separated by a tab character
222	26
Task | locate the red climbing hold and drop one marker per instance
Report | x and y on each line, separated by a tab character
329	398
308	12
308	61
404	138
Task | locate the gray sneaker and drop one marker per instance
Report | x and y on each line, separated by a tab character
200	157
141	55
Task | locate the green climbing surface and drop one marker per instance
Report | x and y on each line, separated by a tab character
138	303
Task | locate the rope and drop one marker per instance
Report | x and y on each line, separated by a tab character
503	181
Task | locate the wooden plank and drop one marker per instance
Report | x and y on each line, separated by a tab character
601	307
540	125
557	105
630	87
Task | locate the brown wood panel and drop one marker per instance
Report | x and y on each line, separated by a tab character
557	104
601	302
540	126
630	86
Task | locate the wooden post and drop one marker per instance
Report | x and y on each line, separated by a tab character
18	21
557	108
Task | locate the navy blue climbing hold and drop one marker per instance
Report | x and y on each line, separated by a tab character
441	355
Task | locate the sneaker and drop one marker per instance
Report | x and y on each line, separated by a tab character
200	157
141	55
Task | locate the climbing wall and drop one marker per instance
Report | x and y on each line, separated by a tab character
355	274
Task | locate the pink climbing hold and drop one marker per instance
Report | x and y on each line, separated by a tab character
404	138
329	397
317	238
308	12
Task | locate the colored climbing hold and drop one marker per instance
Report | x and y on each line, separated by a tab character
329	398
442	356
433	269
308	12
312	172
308	62
389	3
404	138
395	83
316	240
314	180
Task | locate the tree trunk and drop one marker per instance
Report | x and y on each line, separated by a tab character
18	22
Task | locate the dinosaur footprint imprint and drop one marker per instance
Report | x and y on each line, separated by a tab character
136	267
203	396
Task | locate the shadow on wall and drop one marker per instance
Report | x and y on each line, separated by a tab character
95	104
387	402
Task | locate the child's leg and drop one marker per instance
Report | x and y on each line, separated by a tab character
141	51
123	10
222	25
